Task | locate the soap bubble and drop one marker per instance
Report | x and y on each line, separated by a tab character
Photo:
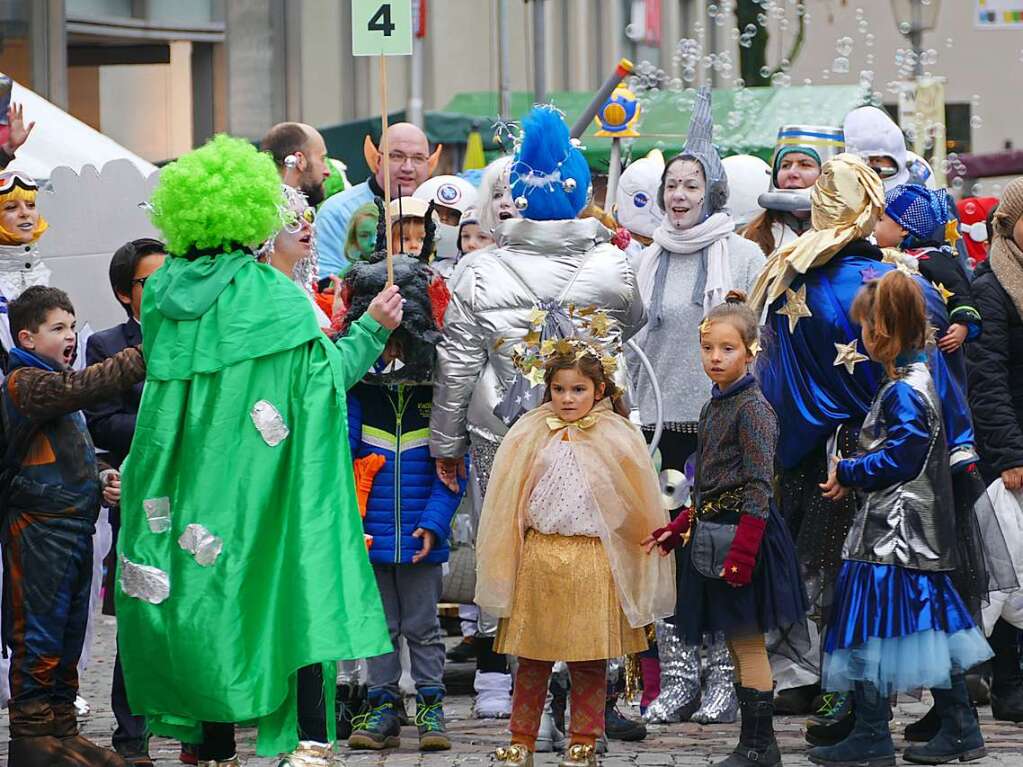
976	121
905	27
844	46
765	72
840	65
781	79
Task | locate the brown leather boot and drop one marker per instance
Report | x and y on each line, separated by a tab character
65	728
33	740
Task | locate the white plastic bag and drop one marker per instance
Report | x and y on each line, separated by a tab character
1008	505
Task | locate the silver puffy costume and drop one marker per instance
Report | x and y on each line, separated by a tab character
493	292
909	524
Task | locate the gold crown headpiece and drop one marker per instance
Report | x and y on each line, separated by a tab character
595	335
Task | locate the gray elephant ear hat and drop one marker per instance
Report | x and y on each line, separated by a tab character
700	147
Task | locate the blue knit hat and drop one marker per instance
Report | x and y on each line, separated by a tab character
919	210
550	178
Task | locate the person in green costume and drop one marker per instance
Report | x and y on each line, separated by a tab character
241	558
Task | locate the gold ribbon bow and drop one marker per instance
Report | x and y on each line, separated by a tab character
554	423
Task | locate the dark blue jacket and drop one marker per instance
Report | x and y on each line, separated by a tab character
394	421
112	423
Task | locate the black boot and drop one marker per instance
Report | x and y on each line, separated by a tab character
870	743
757	745
1007	678
617	726
925	728
834	723
796	701
959	736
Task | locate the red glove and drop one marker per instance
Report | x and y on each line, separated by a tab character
742	556
621	238
678	527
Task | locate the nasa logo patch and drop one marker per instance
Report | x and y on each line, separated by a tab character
641	199
448	194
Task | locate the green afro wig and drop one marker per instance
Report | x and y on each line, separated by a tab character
217	197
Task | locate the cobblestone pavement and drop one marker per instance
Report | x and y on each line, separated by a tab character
684	745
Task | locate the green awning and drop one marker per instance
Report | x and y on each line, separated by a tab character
746	120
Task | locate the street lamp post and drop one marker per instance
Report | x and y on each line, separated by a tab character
915	17
927	101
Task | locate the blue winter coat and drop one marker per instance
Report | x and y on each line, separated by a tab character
394	421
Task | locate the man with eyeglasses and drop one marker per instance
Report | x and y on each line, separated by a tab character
409	164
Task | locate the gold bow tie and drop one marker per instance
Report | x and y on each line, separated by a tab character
554	423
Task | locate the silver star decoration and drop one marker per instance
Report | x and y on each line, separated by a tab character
847	355
795	307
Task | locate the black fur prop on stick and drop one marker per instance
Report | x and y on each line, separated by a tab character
426	298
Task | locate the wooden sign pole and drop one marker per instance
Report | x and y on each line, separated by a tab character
385	157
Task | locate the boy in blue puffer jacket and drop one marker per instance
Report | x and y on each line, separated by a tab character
408	514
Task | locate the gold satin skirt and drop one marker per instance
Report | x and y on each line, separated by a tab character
566	606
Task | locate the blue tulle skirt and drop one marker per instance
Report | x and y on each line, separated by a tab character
900	629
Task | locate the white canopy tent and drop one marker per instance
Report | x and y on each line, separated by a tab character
60	140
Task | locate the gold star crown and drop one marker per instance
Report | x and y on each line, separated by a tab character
596	336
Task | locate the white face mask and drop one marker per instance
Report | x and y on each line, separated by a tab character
446	237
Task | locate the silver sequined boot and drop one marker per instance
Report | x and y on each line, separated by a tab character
719	704
680	678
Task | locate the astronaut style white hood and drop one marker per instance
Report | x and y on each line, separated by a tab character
870	132
636	196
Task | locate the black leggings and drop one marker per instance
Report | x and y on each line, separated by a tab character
218	737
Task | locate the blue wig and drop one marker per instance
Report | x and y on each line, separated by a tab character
548	173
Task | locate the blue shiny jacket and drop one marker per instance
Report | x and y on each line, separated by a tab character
813	395
394	421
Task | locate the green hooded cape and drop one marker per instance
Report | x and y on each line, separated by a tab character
292	585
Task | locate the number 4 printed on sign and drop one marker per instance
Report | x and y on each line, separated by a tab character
381	21
381	28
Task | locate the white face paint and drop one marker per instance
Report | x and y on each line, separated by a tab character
684	191
501	204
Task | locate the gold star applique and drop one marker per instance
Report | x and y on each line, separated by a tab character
532	338
754	348
499	342
735	569
537	317
944	292
600	324
795	307
535	376
847	355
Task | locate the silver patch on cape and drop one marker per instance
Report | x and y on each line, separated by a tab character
150	584
202	544
158	514
269	423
